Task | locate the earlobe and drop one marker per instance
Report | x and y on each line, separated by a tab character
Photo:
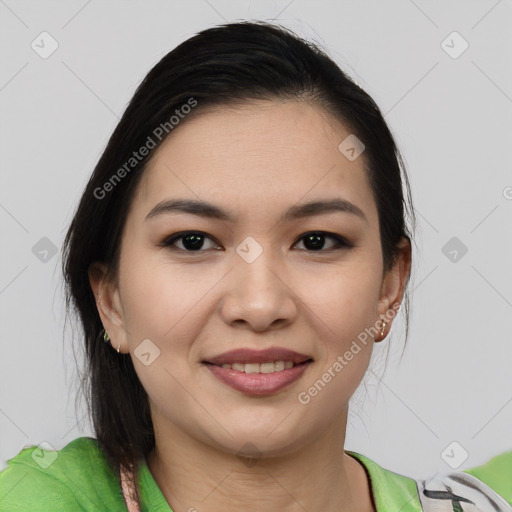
393	284
108	303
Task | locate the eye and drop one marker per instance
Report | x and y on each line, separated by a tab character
315	241
194	241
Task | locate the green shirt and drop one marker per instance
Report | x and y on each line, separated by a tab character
77	478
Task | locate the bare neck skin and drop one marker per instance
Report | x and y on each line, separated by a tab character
319	476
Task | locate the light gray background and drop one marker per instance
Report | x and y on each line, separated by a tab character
452	118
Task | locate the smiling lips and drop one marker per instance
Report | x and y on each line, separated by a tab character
258	372
246	355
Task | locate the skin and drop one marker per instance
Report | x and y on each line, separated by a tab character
256	160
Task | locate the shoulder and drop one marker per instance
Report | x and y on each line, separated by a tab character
76	477
484	488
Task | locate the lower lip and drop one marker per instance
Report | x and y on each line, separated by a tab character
259	384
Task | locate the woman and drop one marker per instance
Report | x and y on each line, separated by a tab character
240	246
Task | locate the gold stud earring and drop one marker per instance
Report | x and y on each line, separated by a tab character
106	337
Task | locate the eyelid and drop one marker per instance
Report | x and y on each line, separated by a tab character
168	241
341	242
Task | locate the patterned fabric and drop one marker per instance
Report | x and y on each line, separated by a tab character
457	491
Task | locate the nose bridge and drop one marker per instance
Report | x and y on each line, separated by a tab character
258	266
257	292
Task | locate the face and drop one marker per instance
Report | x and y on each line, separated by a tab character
254	279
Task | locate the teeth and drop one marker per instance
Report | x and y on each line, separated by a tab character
265	368
281	365
275	366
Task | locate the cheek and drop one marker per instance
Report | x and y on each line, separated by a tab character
343	311
157	296
160	304
346	298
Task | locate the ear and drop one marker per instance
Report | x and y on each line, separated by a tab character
393	283
106	292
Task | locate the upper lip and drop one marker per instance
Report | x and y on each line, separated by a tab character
246	355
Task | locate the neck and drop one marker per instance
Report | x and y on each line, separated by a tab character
315	476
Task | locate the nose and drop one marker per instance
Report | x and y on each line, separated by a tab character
257	296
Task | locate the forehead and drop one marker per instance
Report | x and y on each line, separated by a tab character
257	155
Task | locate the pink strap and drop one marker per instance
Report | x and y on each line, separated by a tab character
131	504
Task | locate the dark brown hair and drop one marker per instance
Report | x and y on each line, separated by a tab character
221	65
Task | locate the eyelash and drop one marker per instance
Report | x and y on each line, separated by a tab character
341	243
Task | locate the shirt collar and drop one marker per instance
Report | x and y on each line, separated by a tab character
390	490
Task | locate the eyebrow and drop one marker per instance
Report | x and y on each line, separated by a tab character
209	210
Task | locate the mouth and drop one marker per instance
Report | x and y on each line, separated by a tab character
266	367
258	373
267	357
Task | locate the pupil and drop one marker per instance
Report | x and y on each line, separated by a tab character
313	241
193	241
